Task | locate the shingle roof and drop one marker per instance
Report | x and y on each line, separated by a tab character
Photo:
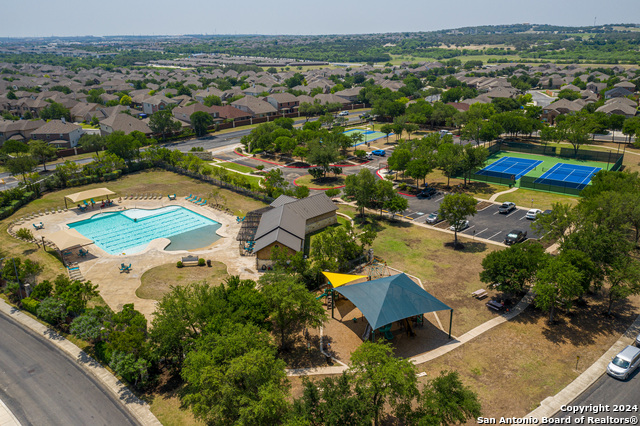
56	126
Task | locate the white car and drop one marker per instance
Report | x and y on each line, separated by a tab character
343	113
533	214
461	226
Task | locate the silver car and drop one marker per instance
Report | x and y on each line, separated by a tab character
625	363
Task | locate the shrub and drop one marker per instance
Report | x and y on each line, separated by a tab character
102	352
201	262
52	310
260	167
179	264
42	290
30	305
402	186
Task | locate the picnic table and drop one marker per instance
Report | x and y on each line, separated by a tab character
480	294
496	306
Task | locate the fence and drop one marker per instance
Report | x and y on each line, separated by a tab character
530	183
489	179
608	157
527	148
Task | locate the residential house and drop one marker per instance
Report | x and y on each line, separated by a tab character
288	222
83	111
123	123
184	113
329	98
229	113
596	87
257	107
156	103
350	94
562	106
626	85
18	130
617	92
283	102
619	106
59	133
209	91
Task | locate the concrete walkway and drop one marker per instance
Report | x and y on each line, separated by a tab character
551	405
497	194
138	408
6	416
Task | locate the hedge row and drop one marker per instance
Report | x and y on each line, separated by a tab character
16	204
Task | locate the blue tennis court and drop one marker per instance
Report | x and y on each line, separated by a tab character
568	175
510	168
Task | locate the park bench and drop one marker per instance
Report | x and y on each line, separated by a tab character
480	294
190	259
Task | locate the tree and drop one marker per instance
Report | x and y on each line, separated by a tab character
557	283
42	150
52	310
92	143
126	331
200	121
396	204
55	111
22	165
512	269
575	129
125	100
335	247
624	280
322	154
15	147
558	224
88	326
569	94
234	377
455	208
124	146
383	379
387	129
212	100
25	234
74	293
472	159
450	159
130	367
362	187
291	306
446	401
162	122
384	192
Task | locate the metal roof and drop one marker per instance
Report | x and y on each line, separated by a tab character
281	236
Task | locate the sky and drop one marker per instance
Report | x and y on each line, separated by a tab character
24	18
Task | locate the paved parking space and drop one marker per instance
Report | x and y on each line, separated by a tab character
487	223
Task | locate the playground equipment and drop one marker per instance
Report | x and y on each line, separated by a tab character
328	294
377	268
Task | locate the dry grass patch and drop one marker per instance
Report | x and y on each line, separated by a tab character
525	198
515	366
156	282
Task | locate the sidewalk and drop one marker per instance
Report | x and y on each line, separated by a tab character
138	408
6	416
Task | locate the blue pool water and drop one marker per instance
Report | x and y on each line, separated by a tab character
130	231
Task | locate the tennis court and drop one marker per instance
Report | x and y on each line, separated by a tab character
568	175
367	135
510	168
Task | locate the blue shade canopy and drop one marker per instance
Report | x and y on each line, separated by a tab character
390	299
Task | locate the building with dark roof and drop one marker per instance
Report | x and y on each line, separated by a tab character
287	222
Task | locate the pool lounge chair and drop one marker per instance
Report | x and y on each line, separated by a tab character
204	203
189	197
85	203
92	202
171	197
196	200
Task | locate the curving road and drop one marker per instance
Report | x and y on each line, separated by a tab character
43	386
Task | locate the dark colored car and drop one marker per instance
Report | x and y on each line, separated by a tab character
434	218
515	237
427	193
507	207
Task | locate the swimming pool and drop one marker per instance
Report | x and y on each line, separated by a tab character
130	231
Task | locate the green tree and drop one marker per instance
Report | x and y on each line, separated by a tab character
446	401
387	129
92	143
455	208
200	121
212	100
362	187
234	377
162	122
126	331
124	146
128	366
15	147
558	224
335	247
42	151
557	283
291	306
450	159
22	165
125	100
473	157
396	204
52	310
88	326
512	269
624	280
55	111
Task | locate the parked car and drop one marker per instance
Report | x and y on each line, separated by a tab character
343	113
546	212
507	207
369	156
533	214
515	236
379	152
434	218
460	226
427	192
625	363
364	116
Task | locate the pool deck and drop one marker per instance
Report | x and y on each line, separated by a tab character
103	269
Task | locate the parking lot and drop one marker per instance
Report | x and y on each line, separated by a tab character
487	223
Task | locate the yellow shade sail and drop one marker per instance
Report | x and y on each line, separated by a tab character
337	280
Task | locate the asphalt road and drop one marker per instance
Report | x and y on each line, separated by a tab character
42	386
611	392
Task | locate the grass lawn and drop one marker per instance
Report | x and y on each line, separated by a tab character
235	166
155	283
167	407
322	183
541	200
515	366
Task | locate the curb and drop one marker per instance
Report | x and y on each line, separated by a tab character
138	408
6	416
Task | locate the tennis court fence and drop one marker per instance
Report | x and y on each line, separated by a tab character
489	179
561	187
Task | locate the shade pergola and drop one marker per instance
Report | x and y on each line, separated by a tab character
68	238
86	195
390	299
